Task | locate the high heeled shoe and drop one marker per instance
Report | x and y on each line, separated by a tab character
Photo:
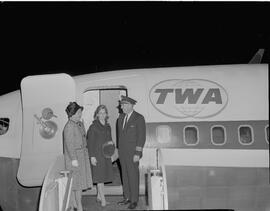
105	203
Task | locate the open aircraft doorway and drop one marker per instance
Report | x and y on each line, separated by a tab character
108	96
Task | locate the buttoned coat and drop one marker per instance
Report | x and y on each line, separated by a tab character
131	136
74	138
97	136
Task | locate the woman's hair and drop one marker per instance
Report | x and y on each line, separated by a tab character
98	109
72	108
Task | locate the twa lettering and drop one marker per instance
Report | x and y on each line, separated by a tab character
196	98
212	95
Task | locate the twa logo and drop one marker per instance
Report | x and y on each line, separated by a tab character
197	98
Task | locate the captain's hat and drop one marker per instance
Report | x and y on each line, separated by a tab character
125	99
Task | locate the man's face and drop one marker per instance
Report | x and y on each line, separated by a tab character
127	107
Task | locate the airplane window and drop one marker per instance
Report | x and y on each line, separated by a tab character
218	135
267	133
245	135
191	135
4	125
163	133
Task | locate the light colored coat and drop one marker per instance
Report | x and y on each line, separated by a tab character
74	138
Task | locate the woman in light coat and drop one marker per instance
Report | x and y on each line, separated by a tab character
76	154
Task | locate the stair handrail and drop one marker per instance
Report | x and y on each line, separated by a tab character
164	178
67	190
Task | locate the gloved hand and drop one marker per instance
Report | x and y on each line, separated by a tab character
75	163
93	161
111	142
136	158
115	155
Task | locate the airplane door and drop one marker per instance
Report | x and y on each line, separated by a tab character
44	100
109	97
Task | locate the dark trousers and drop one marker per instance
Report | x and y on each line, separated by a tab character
130	177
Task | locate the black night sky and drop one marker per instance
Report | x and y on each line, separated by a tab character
84	37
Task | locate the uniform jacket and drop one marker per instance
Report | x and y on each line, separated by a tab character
134	133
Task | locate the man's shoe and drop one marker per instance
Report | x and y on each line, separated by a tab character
123	202
132	205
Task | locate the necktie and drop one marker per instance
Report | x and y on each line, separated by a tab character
125	121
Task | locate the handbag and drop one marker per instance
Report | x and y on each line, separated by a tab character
108	149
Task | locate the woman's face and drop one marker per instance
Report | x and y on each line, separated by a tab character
102	114
77	116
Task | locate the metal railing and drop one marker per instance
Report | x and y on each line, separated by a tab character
56	188
157	193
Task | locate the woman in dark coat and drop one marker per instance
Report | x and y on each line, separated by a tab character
98	134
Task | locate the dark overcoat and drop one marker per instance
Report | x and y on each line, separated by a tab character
97	135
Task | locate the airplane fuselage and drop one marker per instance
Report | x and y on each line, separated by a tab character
210	123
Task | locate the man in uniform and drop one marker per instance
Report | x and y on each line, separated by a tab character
132	135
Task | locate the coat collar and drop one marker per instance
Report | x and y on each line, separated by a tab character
131	118
99	124
73	122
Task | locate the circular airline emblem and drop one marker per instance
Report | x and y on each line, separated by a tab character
196	98
48	129
47	113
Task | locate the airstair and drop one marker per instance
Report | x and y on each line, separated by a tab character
56	190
